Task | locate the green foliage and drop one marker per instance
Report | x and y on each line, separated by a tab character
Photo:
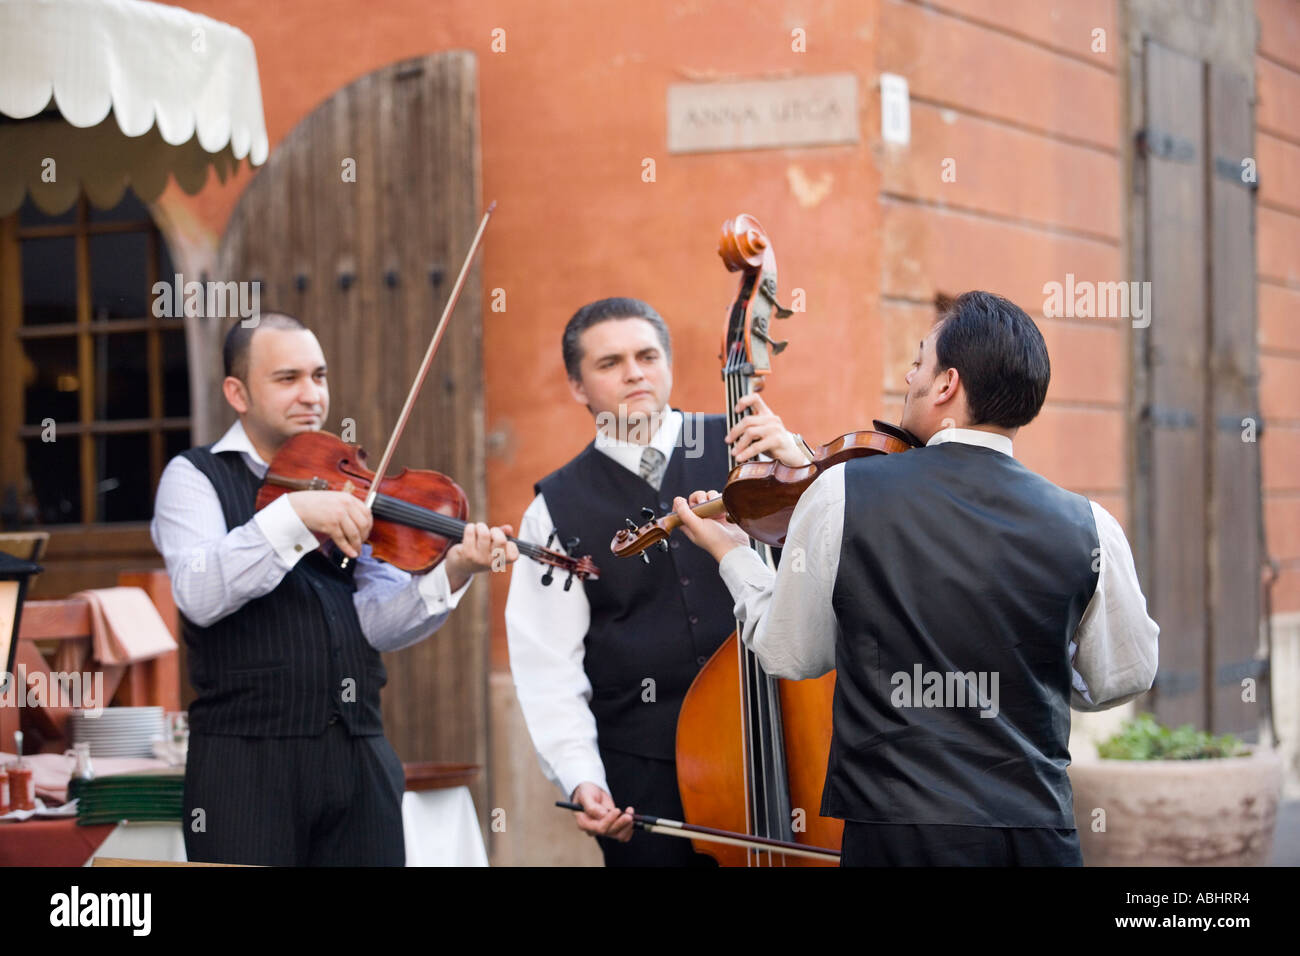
1143	738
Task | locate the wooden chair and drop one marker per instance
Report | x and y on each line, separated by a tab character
55	636
61	628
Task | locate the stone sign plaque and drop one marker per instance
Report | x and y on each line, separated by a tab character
761	114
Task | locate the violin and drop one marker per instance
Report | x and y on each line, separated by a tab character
418	514
760	495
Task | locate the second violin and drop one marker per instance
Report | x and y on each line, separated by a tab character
760	496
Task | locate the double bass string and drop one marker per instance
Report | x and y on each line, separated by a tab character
742	664
751	676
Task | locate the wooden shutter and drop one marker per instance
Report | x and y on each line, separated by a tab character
368	265
1171	439
1234	477
1198	479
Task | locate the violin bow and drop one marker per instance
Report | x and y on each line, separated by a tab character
423	373
689	831
420	376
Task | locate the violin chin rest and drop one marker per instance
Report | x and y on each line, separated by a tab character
894	431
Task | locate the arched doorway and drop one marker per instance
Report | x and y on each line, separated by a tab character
356	225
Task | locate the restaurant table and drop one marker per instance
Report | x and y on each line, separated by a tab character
50	842
441	829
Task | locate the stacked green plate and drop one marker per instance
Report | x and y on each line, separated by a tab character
148	796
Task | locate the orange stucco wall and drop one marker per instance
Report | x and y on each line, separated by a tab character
1277	142
1013	91
568	113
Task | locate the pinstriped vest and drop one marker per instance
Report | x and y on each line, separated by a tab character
283	663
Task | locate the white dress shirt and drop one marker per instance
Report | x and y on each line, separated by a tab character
216	570
546	628
788	620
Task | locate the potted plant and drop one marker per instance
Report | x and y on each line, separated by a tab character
1161	797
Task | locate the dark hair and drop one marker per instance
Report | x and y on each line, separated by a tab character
1000	355
603	310
234	354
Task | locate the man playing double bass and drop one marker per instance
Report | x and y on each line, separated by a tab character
601	670
965	602
288	764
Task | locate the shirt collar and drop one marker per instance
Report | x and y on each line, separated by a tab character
236	439
972	436
628	454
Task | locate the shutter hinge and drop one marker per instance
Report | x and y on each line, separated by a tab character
1155	142
1231	171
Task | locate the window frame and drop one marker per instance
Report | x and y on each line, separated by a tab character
85	330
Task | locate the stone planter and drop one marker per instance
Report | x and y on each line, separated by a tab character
1218	812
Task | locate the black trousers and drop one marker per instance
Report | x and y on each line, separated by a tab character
647	786
330	800
907	844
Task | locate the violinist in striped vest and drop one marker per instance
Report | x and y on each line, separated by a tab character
288	764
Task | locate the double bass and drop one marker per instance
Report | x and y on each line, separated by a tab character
752	749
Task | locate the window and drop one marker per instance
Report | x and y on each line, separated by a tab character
102	384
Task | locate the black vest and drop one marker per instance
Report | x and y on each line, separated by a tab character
956	559
277	666
659	622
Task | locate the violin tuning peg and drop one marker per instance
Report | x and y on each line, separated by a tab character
630	523
572	545
663	545
547	578
645	556
569	582
648	514
551	539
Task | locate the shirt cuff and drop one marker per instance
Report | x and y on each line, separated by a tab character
741	568
291	539
583	771
437	593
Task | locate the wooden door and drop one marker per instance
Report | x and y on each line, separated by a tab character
357	225
1171	443
1198	491
1236	424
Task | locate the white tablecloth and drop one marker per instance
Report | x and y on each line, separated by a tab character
441	829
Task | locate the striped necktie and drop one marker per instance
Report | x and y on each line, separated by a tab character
652	466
